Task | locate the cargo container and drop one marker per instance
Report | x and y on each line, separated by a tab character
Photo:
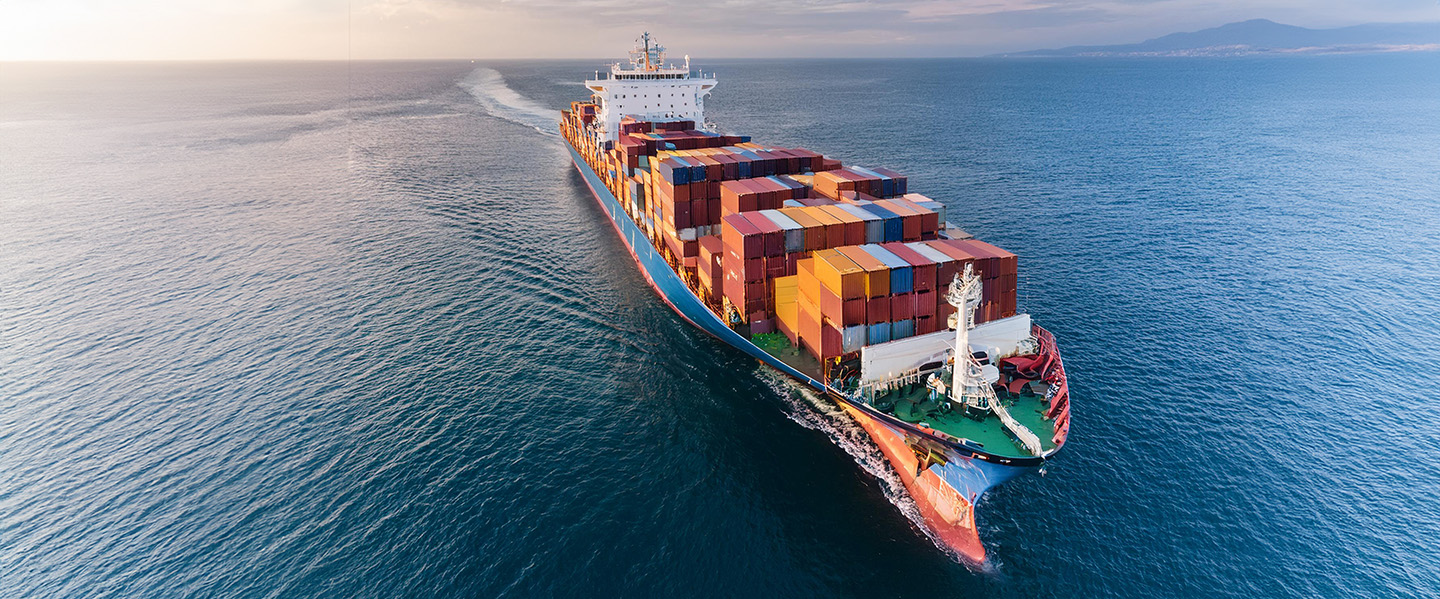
874	225
794	232
877	273
901	275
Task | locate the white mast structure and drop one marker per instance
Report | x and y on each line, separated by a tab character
969	385
967	380
648	89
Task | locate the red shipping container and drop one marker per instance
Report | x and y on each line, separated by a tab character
925	303
728	167
736	196
929	219
753	270
830	341
961	256
924	269
831	306
756	293
877	310
714	170
853	312
834	229
741	237
681	218
712	251
699	210
775	263
924	325
773	234
902	306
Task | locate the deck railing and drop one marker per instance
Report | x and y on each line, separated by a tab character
1028	438
1054	373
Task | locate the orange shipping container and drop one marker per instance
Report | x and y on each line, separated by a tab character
852	225
834	229
814	229
877	275
839	274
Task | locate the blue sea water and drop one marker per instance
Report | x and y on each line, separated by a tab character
357	330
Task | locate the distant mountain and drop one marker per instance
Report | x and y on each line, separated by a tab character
1262	36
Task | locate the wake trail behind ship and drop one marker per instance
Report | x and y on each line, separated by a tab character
501	101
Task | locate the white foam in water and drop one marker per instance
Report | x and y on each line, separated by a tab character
815	413
488	86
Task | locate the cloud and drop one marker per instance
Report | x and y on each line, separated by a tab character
177	29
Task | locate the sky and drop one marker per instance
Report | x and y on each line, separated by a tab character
477	29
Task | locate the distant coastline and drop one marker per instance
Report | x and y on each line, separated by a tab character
1261	36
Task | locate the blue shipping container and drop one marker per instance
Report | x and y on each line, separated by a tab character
894	227
879	333
902	276
674	172
901	329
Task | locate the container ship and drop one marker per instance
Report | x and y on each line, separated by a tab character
836	275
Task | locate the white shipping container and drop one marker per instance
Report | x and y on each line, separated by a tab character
794	233
852	338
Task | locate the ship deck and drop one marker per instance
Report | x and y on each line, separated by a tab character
778	346
914	406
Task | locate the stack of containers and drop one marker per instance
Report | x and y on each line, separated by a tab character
858	295
877	293
744	264
774	248
879	183
928	204
710	271
996	268
998	272
874	225
902	287
946	268
786	291
764	193
923	280
831	300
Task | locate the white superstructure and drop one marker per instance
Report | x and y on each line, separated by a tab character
648	89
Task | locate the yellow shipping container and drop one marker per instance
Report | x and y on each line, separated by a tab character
807	284
840	274
787	290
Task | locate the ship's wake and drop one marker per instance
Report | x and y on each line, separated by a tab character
500	101
816	413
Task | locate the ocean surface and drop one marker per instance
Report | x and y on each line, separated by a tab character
358	330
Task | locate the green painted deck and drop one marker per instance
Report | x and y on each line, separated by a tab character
914	406
776	344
